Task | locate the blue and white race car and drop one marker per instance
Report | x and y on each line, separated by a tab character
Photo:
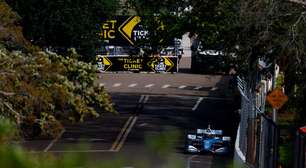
208	140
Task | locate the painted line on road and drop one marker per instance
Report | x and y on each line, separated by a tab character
182	86
214	88
54	141
146	98
198	88
141	98
121	138
121	133
126	134
197	103
116	84
132	85
186	96
165	86
101	84
189	160
149	85
77	151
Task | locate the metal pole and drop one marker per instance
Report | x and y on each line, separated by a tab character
274	112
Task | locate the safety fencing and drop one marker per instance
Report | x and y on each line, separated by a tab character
258	134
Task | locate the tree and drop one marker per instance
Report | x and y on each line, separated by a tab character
41	89
274	31
64	23
211	20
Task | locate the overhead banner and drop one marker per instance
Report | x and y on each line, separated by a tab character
137	64
122	30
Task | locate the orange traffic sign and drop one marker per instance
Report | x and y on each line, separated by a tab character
277	98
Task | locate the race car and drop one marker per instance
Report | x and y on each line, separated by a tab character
208	140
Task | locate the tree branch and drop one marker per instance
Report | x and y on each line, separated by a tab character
7	93
16	114
302	2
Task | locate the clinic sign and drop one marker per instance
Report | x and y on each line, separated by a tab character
122	30
137	64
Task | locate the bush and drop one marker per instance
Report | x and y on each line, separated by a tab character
43	88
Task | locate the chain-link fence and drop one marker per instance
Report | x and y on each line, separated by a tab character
258	135
267	143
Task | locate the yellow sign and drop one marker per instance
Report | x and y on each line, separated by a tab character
277	98
126	29
161	64
103	63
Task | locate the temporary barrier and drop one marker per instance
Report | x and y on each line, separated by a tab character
137	63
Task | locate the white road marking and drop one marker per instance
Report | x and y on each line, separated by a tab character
141	98
165	86
188	96
54	141
146	98
132	85
189	160
101	84
195	161
96	139
149	85
198	87
76	151
197	104
84	139
182	86
116	84
214	88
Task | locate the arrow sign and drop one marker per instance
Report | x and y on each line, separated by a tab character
126	29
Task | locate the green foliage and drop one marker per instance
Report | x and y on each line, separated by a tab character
13	156
162	143
286	154
7	130
45	88
10	32
213	21
64	23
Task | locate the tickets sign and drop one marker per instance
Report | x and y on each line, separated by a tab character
122	30
137	64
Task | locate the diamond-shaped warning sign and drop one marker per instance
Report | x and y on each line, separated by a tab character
277	98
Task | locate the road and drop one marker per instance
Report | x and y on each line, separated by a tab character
154	111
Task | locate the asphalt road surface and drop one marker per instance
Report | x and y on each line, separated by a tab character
154	112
